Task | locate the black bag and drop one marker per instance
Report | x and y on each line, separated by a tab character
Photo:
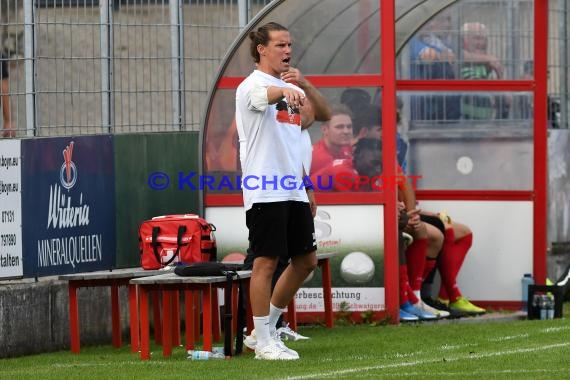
205	269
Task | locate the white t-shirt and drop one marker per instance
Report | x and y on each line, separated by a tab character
271	146
307	151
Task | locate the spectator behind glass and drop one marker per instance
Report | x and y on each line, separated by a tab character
368	159
336	139
355	99
368	124
367	162
342	175
367	118
432	58
527	106
475	38
7	129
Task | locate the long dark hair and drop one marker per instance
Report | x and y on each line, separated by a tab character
261	36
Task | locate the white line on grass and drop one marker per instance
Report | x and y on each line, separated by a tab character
446	346
421	362
107	364
503	338
526	372
556	329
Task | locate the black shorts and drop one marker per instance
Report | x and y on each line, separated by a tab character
284	229
434	221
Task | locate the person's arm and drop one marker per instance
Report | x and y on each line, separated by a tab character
488	59
260	96
429	54
319	103
294	98
307	114
312	201
309	188
321	108
406	193
5	94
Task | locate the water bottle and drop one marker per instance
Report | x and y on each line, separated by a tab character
526	281
205	355
543	302
549	307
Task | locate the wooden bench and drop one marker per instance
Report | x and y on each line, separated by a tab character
323	261
169	283
113	279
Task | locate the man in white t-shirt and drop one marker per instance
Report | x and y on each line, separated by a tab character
270	113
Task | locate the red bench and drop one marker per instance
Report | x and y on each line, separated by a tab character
170	284
112	279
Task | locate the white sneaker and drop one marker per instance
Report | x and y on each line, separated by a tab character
425	307
273	351
250	341
286	333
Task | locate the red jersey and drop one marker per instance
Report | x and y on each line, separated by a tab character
323	157
338	176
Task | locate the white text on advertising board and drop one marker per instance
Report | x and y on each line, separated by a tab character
64	213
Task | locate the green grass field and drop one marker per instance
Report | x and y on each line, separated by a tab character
497	350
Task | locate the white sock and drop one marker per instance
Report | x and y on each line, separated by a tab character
274	314
261	325
417	294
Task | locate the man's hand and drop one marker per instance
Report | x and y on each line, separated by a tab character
295	99
321	109
414	221
295	77
495	65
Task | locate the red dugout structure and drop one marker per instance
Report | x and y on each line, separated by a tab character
473	166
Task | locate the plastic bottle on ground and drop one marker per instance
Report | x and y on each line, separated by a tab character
205	355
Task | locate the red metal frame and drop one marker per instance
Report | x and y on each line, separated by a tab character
370	80
231	200
474	195
540	140
226	200
389	106
386	80
464	85
357	80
